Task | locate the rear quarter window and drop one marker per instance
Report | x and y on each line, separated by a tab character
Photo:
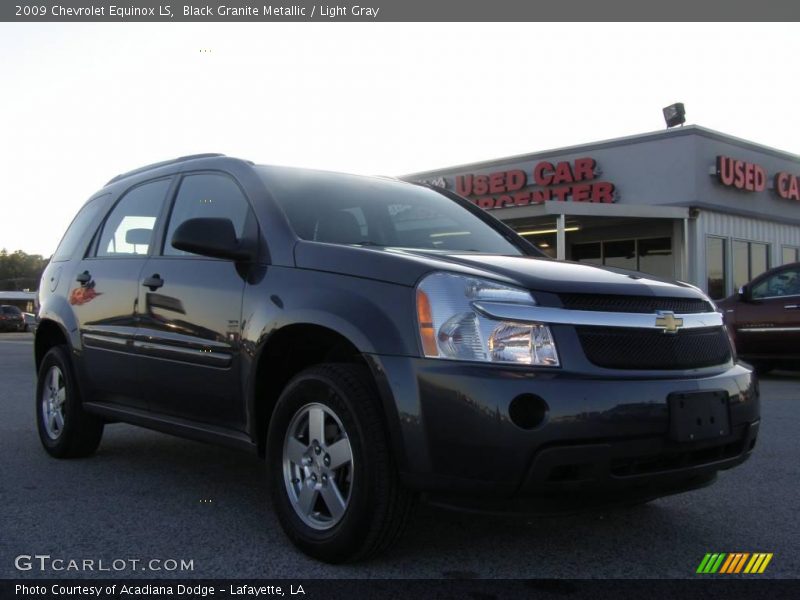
78	232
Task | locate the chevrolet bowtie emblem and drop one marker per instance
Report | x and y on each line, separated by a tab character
668	321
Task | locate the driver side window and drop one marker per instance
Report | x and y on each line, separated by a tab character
211	195
783	283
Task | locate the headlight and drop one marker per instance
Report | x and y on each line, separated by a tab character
450	327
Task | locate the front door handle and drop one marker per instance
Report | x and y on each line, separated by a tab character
84	278
153	282
792	306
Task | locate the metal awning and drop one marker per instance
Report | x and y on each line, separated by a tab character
591	209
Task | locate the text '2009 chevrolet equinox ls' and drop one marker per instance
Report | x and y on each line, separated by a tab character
375	340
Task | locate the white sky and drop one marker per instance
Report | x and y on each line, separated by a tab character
82	103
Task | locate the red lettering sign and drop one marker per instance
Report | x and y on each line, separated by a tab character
787	186
561	182
741	174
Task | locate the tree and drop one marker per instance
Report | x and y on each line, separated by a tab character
20	271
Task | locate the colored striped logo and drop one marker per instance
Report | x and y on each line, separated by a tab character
734	562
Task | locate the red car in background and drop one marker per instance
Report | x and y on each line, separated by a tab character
764	318
11	318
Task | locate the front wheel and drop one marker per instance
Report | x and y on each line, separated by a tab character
333	482
763	367
65	430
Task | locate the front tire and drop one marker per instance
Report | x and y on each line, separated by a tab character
65	430
763	367
333	482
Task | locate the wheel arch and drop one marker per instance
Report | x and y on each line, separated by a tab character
294	348
49	333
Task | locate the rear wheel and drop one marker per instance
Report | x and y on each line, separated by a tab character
65	430
333	482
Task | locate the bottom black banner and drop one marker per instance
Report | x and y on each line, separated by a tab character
357	589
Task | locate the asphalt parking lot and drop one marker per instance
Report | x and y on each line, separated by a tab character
150	496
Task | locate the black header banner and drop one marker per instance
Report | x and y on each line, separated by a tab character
396	10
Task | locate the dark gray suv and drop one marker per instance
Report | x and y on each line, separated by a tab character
374	340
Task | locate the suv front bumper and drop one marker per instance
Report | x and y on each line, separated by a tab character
607	438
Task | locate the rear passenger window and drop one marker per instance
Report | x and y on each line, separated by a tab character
77	231
209	195
128	230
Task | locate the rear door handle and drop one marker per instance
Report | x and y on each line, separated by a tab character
153	282
792	306
84	278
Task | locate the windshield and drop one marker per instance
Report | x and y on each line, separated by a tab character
348	209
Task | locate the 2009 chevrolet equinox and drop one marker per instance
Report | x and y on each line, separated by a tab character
374	340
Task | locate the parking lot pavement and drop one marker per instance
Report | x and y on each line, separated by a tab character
150	496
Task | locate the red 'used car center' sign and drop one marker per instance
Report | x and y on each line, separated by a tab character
751	177
561	181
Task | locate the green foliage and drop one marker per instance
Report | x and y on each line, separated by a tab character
19	271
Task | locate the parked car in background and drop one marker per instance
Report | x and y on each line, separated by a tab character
11	318
30	321
764	318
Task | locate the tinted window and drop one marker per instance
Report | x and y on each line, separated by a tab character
783	283
77	231
716	282
741	264
207	195
750	259
128	230
620	254
759	259
346	209
11	310
655	257
587	253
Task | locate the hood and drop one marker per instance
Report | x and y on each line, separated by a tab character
406	266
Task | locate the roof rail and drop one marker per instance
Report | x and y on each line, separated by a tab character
163	163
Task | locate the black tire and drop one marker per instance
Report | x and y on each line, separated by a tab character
763	367
78	433
378	506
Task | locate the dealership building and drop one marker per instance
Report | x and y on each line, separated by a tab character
685	203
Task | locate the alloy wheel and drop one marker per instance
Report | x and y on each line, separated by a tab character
54	395
318	466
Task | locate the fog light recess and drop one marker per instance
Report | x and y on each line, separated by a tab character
528	411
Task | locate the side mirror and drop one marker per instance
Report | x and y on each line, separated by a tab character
212	237
744	293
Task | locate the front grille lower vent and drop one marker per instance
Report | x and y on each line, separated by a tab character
631	348
634	304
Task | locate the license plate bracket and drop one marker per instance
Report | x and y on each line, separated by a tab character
696	416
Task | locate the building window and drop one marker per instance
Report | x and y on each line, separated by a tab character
651	256
655	257
716	282
750	259
588	253
790	254
620	254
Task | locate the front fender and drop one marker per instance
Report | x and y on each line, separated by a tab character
376	317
